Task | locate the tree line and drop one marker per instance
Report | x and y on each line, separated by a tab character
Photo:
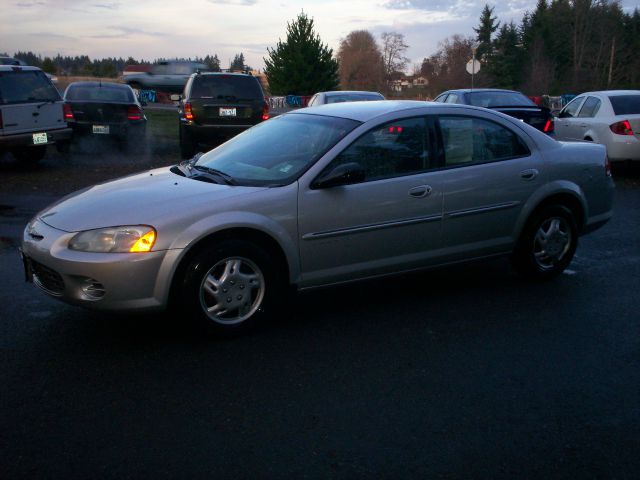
111	67
563	46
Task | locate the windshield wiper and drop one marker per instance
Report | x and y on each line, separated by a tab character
46	102
228	179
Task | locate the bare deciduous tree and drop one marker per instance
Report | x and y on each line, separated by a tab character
393	49
361	64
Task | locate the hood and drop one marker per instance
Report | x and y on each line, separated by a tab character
141	199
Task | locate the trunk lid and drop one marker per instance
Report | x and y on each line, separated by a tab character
535	116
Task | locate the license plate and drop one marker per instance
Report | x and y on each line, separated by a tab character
227	112
28	272
39	138
101	129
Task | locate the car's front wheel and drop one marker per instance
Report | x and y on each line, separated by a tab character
547	244
231	287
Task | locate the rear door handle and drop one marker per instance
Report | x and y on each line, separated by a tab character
420	191
529	174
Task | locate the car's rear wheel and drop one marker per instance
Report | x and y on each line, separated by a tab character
231	287
30	154
547	244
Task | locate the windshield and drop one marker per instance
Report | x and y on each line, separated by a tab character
625	104
24	86
277	151
223	86
498	99
354	97
95	93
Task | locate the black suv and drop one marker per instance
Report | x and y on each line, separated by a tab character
218	106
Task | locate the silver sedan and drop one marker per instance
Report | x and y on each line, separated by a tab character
322	196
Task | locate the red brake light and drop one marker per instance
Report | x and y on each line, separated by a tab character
68	112
188	114
549	126
134	113
621	128
265	111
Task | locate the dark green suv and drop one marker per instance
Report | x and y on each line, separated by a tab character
218	106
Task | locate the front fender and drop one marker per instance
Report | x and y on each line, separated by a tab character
238	219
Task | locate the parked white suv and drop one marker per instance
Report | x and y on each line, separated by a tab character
31	113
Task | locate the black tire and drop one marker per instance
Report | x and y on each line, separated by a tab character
547	244
238	281
187	145
30	154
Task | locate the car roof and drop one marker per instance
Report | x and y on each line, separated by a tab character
365	111
234	74
99	84
355	92
17	68
613	93
475	90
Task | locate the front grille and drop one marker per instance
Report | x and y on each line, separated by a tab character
47	279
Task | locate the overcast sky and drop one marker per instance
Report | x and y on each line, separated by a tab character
151	29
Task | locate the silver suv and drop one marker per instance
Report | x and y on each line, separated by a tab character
31	113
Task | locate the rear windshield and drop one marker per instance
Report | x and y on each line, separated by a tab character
226	86
353	97
104	93
625	104
25	86
498	99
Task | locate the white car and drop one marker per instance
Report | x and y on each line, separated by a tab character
610	117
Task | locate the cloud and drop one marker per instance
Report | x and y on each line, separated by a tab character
243	3
108	6
120	32
29	4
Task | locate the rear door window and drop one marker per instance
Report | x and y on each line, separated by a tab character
571	110
226	87
24	86
590	107
469	140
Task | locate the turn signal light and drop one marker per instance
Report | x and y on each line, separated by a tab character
622	128
144	243
68	112
188	113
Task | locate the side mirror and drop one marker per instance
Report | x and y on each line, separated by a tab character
344	174
175	97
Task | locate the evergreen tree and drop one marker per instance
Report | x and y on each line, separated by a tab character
238	63
302	64
485	30
505	66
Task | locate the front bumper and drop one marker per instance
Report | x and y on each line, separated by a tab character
26	139
105	281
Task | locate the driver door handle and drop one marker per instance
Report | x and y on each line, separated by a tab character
420	191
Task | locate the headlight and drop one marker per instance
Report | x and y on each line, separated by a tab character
138	238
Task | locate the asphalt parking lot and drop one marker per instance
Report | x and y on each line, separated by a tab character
466	372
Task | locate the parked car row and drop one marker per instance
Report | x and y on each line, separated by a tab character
611	118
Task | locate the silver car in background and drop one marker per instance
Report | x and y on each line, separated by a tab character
340	96
317	197
611	118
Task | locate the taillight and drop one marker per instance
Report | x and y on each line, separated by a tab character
607	166
549	126
621	128
188	113
265	111
134	113
68	112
